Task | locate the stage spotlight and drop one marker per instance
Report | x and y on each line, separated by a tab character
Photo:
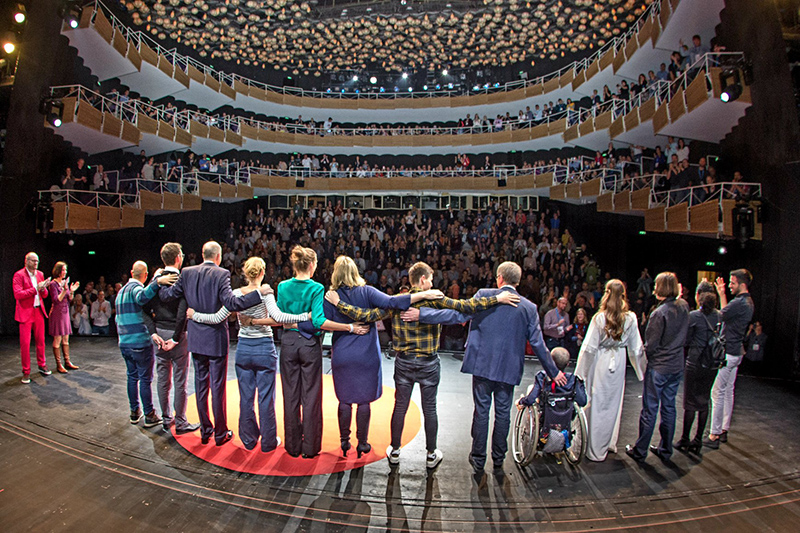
355	78
449	85
424	87
20	14
53	110
444	72
373	80
9	43
405	75
411	89
383	90
722	250
71	13
731	82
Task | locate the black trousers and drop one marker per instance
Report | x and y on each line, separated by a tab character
427	373
210	374
301	377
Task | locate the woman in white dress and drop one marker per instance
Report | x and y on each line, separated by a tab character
601	363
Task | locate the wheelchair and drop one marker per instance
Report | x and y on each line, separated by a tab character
553	413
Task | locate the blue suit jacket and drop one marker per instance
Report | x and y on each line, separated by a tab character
496	342
206	288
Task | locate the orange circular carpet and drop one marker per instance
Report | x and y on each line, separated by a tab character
234	456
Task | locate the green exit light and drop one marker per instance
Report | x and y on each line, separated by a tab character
92	252
161	225
709	263
642	233
255	197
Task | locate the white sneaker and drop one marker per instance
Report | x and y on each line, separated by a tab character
433	459
393	455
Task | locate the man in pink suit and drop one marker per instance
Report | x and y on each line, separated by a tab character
30	290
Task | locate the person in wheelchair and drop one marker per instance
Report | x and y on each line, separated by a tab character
556	403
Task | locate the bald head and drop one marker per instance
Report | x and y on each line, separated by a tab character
139	271
31	261
212	251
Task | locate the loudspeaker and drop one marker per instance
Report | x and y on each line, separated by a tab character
501	182
300	183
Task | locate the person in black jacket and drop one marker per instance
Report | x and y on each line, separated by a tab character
665	337
166	322
699	375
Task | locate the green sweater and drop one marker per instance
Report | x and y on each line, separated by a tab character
301	296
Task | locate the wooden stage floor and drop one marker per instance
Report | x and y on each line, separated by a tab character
71	461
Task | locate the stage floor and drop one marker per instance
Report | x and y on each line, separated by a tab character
71	461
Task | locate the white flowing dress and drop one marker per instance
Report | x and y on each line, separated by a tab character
601	364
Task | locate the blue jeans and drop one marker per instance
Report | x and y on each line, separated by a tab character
659	390
100	330
256	364
482	392
140	375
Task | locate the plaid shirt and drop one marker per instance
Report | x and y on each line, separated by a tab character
415	338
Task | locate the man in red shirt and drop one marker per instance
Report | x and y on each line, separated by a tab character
30	290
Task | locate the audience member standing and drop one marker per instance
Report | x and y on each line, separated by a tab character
61	292
256	358
736	316
556	325
166	323
665	337
612	332
30	290
207	287
700	372
100	313
134	341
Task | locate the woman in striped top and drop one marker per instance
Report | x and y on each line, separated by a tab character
256	358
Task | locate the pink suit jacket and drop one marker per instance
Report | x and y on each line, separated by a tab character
25	295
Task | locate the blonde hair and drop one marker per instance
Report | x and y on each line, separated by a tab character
666	285
302	258
615	306
345	274
254	267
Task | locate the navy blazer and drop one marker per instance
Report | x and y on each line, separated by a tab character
496	342
207	288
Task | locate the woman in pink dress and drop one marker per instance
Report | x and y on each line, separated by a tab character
60	327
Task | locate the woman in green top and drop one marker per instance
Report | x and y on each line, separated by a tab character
301	356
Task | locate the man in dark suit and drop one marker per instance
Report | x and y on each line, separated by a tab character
495	357
207	288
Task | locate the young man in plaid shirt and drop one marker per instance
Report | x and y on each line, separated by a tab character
417	359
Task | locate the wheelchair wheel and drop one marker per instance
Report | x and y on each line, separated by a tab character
578	437
526	435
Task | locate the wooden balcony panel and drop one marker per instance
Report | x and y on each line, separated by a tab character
655	220
258	93
103	26
212	83
591	187
191	202
233	138
566	78
89	116
605	202
557	126
172	202
109	218
551	85
216	134
84	22
603	121
656	32
660	117
478	139
592	69
527	181
208	189
501	137
81	217
292	100
197	129
131	133
727	217
619	59
645	32
120	44
543	180
647	110
241	88
245	191
571	133
630	47
677	106
534	90
579	80
227	190
259	180
573	190
182	136
631	119
165	66
440	140
522	134
704	218
147	124
696	93
558	192
134	57
275	97
249	131
606	59
181	77
622	202
195	74
132	217
666	13
500	97
617	127
460	101
111	125
148	54
59	216
150	201
678	218
165	131
537	132
640	200
586	127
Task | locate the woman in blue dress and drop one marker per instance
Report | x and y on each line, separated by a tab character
356	359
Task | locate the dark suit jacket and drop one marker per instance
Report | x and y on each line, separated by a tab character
496	342
207	288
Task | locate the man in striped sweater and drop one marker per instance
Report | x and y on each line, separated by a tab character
134	340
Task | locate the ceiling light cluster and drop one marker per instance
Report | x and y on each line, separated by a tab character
289	35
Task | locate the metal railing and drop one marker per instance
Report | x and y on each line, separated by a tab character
137	38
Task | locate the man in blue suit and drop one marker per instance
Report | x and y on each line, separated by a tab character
495	357
207	288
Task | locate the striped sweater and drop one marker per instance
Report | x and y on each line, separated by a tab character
130	319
